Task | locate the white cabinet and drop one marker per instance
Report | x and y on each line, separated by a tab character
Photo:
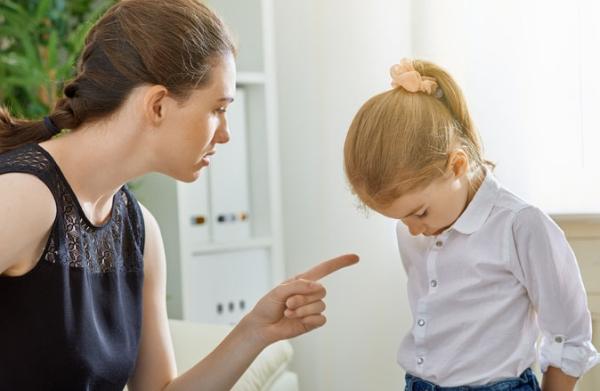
222	233
226	284
228	177
529	72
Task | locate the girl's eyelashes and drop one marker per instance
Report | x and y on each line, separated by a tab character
422	214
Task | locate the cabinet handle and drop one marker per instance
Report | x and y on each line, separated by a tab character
232	217
198	220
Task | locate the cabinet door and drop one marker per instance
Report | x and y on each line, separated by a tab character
223	287
229	191
195	216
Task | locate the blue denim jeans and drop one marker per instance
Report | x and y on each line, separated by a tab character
526	382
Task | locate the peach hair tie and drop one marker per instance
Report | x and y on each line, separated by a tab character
406	76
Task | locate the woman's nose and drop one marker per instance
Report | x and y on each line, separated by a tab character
222	135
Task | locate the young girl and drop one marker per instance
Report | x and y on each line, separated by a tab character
82	266
485	268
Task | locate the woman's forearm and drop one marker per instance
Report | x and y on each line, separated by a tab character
224	365
292	308
557	380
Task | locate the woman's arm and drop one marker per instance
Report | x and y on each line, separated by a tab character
155	367
290	309
27	211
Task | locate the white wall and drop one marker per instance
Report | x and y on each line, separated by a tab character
331	56
529	72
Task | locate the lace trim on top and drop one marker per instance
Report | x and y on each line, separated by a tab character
110	247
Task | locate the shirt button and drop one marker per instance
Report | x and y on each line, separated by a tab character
558	339
420	360
439	243
434	283
421	322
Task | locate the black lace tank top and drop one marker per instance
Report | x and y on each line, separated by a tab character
73	322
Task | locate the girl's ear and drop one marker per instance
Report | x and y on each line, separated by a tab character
458	163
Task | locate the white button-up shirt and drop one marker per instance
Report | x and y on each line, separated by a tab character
479	290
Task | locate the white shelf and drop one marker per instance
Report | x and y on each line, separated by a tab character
232	247
248	78
212	262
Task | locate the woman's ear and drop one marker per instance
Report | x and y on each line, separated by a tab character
154	104
458	163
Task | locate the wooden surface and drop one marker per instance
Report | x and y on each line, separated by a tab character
584	237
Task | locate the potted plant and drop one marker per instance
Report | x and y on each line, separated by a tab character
39	44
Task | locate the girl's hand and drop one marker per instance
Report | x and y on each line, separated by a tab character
295	306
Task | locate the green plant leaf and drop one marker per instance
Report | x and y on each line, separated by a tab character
52	50
40	41
42	9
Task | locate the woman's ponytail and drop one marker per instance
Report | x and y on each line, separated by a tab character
17	132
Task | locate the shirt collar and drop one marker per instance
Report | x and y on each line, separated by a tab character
480	206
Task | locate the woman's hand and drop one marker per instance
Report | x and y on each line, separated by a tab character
295	306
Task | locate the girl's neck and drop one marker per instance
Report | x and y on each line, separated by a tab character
475	182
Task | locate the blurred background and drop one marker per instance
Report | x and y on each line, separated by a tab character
275	201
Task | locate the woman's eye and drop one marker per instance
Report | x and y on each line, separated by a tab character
222	110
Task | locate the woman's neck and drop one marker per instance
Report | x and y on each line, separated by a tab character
96	160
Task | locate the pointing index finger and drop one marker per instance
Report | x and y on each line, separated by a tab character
327	267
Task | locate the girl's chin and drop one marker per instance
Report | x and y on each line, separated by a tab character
436	233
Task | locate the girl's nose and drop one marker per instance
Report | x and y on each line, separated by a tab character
416	229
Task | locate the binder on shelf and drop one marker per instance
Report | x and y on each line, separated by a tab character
228	177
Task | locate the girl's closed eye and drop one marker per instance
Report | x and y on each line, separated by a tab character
422	214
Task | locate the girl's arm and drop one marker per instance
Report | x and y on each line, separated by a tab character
291	309
557	380
547	267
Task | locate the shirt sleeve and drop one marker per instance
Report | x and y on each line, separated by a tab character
545	263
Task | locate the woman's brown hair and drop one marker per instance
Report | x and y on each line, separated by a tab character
174	43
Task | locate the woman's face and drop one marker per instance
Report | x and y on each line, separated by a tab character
192	129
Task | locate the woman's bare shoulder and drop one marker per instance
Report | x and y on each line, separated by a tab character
27	212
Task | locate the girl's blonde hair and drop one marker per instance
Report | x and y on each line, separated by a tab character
400	141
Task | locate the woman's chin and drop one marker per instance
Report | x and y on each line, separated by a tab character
188	176
193	176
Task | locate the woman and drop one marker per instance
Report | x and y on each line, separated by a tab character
82	266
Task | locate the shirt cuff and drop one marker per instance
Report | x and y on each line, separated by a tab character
572	359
